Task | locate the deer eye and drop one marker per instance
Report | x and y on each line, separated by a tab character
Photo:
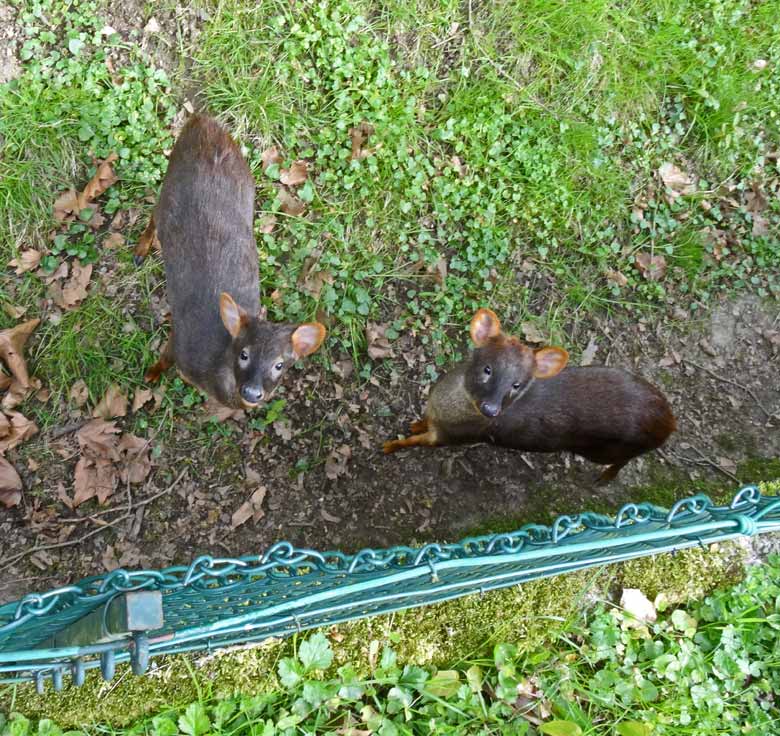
243	356
279	366
487	370
516	386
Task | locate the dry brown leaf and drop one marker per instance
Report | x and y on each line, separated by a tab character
590	352
27	261
653	268
617	278
267	224
296	174
104	177
62	494
12	342
61	272
378	345
676	180
532	333
251	509
79	393
359	135
760	225
755	199
16	429
113	404
16	394
5	426
98	437
134	452
74	290
216	411
270	156
66	206
290	204
14	311
10	484
114	240
336	462
141	397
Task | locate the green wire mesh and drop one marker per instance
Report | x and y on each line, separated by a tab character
215	602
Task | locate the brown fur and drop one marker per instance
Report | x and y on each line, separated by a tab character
603	414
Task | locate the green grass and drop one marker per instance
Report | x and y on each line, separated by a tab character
561	115
508	139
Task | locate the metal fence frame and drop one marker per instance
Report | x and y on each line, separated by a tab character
215	602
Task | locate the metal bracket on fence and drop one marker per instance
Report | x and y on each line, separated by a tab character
126	614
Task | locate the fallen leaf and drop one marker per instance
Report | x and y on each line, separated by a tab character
589	353
12	342
16	394
62	494
79	393
617	278
66	206
336	462
755	199
61	272
251	509
152	26
283	429
10	484
295	175
635	602
532	333
675	179
141	397
760	226
113	404
27	261
359	136
134	453
290	204
653	268
108	558
378	345
74	291
99	438
267	224
216	411
16	429
114	240
13	311
271	156
104	177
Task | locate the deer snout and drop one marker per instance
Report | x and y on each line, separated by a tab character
251	394
489	409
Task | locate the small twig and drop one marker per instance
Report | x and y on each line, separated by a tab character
749	392
138	504
704	460
59	545
67	429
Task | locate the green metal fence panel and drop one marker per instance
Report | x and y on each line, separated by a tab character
216	602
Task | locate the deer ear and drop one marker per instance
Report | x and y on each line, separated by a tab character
307	338
484	325
549	362
232	315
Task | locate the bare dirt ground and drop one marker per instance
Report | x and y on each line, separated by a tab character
720	371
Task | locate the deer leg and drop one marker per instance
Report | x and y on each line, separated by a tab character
420	426
147	240
426	439
164	362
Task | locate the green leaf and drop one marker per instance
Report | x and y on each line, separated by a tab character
632	728
444	683
290	672
306	192
222	712
683	622
47	727
388	659
504	654
164	726
474	678
560	728
194	722
17	726
75	45
316	653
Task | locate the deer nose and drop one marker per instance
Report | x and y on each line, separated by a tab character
489	409
251	394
